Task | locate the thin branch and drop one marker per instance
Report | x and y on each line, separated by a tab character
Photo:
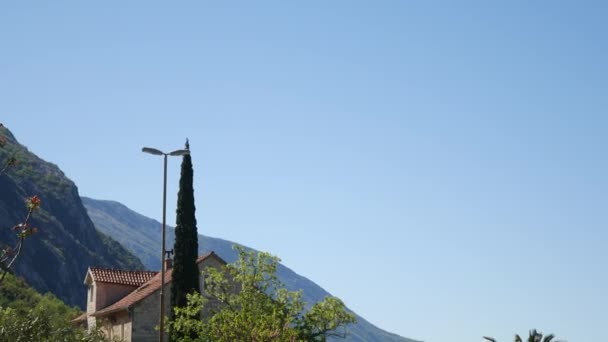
6	268
18	246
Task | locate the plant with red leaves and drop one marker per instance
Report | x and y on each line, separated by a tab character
23	230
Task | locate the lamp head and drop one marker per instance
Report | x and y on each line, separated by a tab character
152	151
179	153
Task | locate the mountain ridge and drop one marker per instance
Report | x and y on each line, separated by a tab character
141	235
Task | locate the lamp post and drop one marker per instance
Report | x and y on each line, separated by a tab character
162	254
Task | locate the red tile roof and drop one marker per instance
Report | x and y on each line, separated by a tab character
144	290
133	278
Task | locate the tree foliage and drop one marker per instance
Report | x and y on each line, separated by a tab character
26	315
245	301
185	271
35	325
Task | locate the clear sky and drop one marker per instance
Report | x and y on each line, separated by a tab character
440	166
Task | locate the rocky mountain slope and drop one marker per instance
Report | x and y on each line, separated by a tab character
141	236
56	258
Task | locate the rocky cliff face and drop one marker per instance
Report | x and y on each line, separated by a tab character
56	258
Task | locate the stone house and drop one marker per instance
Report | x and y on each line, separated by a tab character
125	304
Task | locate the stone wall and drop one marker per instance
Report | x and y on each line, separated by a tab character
145	316
211	303
117	326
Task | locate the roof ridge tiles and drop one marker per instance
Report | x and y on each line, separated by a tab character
123	277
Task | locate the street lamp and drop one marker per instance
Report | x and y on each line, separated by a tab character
162	254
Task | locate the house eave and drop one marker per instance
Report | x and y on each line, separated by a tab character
102	313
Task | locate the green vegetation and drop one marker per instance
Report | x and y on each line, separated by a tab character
247	302
185	272
26	168
26	315
17	295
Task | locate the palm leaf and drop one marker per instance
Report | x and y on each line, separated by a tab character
549	338
533	336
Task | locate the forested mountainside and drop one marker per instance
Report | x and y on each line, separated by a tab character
56	258
142	236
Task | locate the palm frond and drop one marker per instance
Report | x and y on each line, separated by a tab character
533	336
549	338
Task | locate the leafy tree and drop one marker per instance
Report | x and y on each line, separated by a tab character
185	271
245	301
26	315
35	325
535	336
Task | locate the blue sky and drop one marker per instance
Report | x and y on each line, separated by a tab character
440	167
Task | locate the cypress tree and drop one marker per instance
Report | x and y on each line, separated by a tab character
185	272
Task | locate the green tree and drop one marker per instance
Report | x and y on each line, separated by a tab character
40	325
534	336
185	272
26	315
245	301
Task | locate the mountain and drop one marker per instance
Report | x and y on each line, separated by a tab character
57	257
142	236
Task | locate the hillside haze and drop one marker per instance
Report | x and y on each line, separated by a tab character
141	235
67	243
